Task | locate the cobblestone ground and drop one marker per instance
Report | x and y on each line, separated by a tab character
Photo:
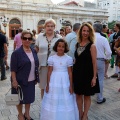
110	110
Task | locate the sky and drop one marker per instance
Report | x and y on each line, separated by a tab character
57	1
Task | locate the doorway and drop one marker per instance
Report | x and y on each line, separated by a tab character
14	25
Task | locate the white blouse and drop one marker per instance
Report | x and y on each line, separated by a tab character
42	43
60	63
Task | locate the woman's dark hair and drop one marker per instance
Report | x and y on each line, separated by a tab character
62	30
56	45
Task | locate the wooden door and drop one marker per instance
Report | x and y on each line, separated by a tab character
13	30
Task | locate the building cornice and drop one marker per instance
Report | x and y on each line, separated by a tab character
52	9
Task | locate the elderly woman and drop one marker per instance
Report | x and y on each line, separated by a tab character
24	72
44	46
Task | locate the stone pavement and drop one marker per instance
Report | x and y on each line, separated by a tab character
110	110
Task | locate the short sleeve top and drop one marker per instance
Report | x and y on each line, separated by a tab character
60	63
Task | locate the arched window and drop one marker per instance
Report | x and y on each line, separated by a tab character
41	22
14	21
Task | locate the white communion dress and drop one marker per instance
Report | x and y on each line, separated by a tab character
58	103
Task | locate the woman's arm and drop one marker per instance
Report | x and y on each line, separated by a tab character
116	47
14	68
14	81
50	69
94	56
70	78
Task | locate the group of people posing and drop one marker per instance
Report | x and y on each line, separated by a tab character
69	70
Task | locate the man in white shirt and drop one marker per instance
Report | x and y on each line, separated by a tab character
103	54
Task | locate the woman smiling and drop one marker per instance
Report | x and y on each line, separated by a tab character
24	72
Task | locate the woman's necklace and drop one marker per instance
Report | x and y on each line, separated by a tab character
81	48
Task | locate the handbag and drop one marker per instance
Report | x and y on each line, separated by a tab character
14	99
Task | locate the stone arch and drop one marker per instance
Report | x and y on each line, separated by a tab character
41	25
14	21
14	25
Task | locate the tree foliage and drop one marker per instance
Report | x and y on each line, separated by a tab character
111	24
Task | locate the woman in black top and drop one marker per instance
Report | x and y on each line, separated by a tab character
85	69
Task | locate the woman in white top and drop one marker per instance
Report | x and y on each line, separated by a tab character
44	46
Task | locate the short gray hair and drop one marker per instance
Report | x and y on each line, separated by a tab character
76	26
50	20
98	27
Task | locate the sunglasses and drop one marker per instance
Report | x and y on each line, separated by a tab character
25	38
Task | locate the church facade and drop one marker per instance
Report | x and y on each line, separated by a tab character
31	14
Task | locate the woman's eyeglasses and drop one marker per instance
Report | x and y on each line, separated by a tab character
25	38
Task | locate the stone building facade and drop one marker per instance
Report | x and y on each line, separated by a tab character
31	14
113	8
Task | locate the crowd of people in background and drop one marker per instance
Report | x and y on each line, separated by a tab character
70	66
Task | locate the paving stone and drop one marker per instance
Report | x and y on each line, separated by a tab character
110	110
13	117
6	112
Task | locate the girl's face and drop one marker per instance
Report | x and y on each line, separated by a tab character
85	32
61	48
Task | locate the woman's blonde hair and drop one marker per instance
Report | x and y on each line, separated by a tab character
50	20
91	37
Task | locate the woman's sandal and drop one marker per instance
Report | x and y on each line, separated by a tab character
86	118
20	116
27	118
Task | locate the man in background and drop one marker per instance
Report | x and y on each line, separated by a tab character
71	39
3	55
103	55
17	39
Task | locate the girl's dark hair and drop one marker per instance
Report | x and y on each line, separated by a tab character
56	45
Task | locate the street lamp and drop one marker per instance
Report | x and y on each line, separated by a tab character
63	22
4	20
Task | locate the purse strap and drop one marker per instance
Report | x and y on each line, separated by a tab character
19	91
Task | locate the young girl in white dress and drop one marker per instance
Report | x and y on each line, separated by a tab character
59	101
